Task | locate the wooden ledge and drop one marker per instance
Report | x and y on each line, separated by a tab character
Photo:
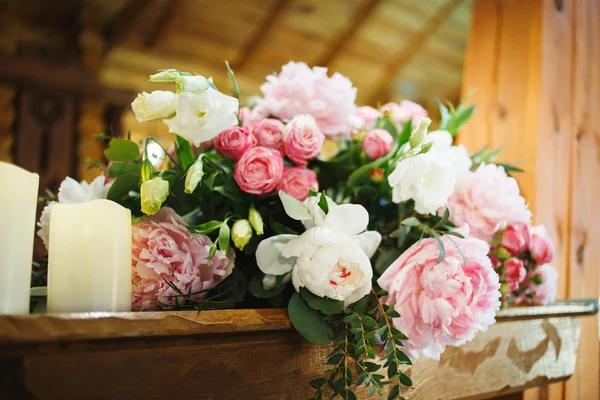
43	328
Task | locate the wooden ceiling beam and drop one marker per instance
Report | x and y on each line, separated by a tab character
417	41
121	24
169	9
265	26
338	45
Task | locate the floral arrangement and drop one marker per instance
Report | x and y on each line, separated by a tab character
378	235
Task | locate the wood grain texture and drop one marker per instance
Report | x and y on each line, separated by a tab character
233	358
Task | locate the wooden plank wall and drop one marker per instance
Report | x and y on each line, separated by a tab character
535	66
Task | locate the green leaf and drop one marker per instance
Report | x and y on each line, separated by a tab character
206	227
210	181
444	219
371	367
309	323
281	229
336	358
224	233
411	221
231	194
441	244
400	233
317	383
123	185
293	207
184	152
405	134
454	233
322	304
255	287
350	395
323	203
394	392
405	380
118	169
236	89
121	150
464	259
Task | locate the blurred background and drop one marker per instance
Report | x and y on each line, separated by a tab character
69	69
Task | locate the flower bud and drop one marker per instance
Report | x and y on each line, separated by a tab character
166	75
194	175
515	273
516	238
192	84
153	193
147	170
256	221
418	135
158	104
502	254
241	233
376	175
329	150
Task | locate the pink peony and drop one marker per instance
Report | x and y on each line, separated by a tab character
302	139
377	143
403	112
515	273
366	116
297	182
299	89
442	303
234	142
515	238
488	201
163	250
269	133
259	170
542	249
251	117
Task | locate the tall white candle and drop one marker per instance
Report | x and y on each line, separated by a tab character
18	202
89	264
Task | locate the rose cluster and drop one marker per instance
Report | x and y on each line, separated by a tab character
521	256
259	147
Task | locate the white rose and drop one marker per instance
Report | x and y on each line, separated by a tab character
202	116
428	179
72	192
158	104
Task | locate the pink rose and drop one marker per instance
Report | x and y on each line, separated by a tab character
366	116
269	133
259	170
163	250
251	117
542	248
377	143
442	303
303	139
515	238
234	142
488	201
299	89
403	112
297	182
515	273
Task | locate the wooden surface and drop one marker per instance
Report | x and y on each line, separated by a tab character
255	354
534	64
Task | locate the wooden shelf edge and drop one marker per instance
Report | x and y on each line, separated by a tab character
43	328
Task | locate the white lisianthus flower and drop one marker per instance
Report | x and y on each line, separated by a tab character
192	84
158	104
72	192
153	193
200	117
330	259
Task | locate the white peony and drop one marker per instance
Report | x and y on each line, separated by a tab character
158	104
202	116
330	259
72	192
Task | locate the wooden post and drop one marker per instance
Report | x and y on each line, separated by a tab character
89	150
534	64
7	119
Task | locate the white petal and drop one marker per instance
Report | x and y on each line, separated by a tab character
348	218
293	207
358	294
369	241
270	281
268	255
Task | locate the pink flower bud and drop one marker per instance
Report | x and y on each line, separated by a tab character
542	249
515	273
303	139
297	182
269	133
259	170
516	238
376	175
234	142
377	143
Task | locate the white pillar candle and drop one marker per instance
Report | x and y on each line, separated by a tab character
89	263
18	202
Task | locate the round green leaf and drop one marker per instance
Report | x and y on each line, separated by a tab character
308	322
326	306
255	287
121	150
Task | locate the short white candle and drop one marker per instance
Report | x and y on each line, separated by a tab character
89	263
18	202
